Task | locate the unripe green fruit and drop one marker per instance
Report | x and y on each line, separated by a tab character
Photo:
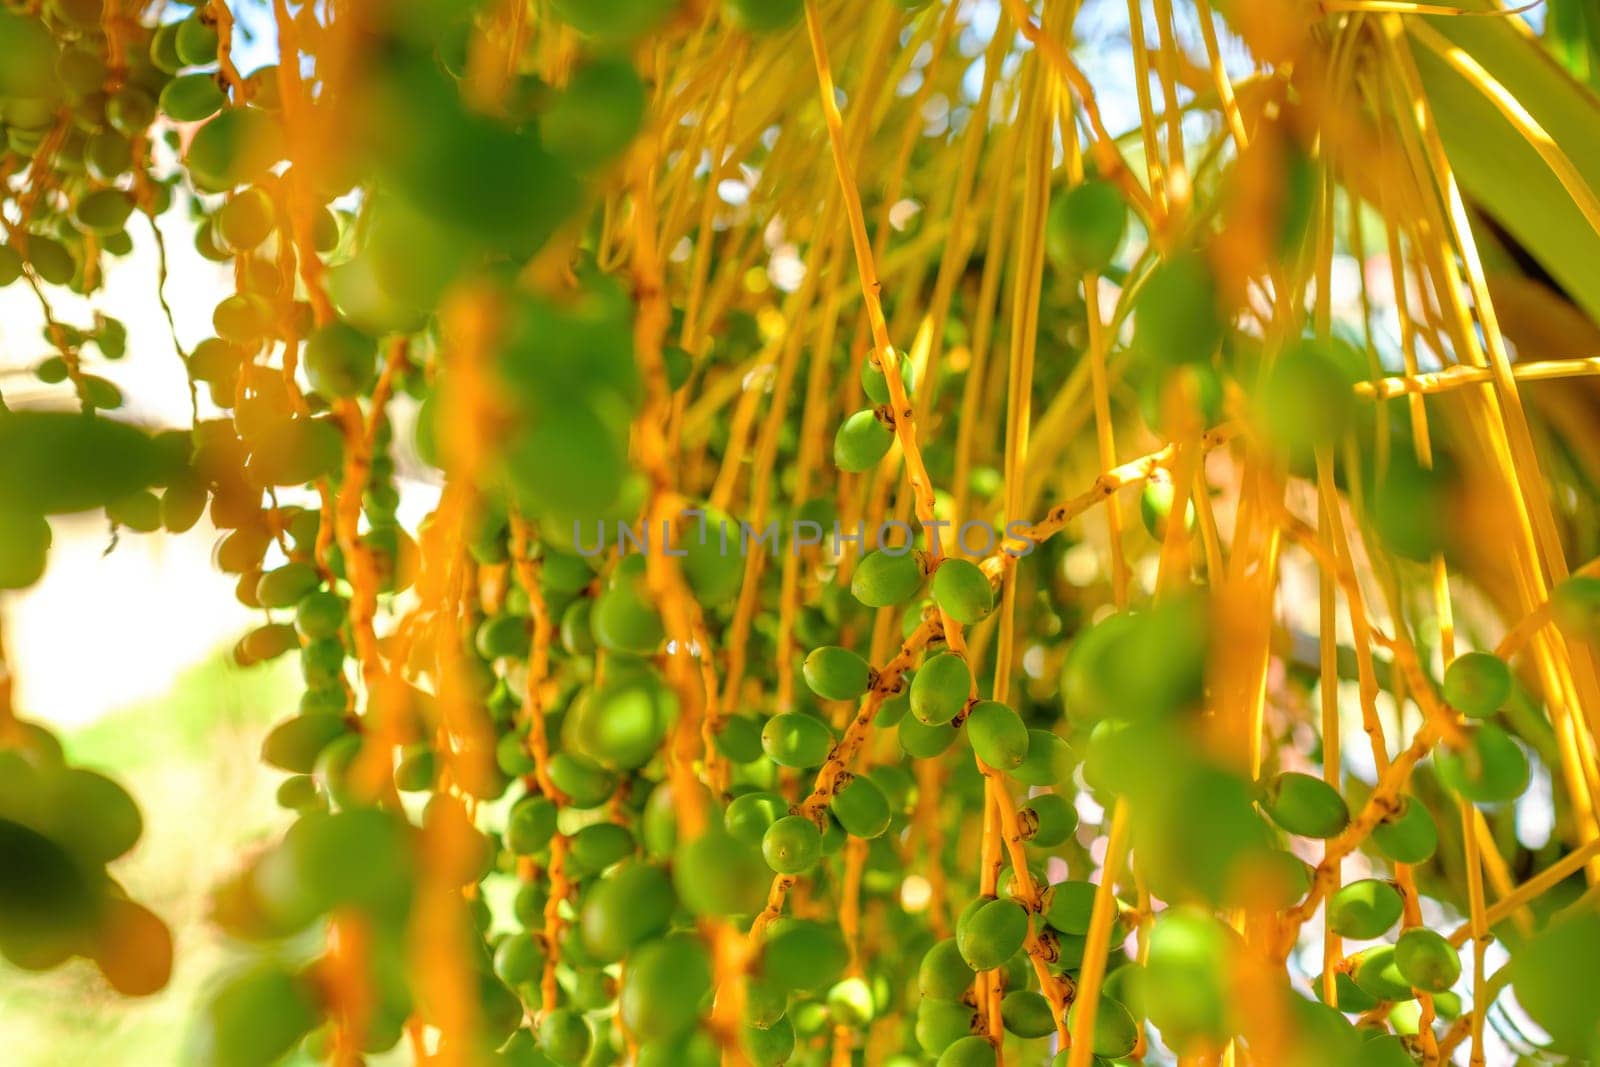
795	739
1409	836
192	98
299	792
963	591
663	986
861	442
970	1051
236	146
1426	960
11	263
805	955
943	973
597	115
624	622
992	934
1477	684
197	42
320	614
763	16
598	846
749	815
738	737
1048	762
940	689
621	725
941	1023
1364	909
1552	975
861	808
921	741
625	908
24	548
341	360
1176	318
295	743
51	260
104	211
584	783
1115	1032
835	673
530	825
1027	1014
1085	227
286	586
1048	820
1155	508
764	1002
769	1046
418	770
850	1003
565	1037
997	735
883	579
1188	983
1071	904
254	1018
1376	974
876	384
1575	606
1305	805
1492	768
792	844
719	875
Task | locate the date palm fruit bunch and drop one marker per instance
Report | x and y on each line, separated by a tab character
776	672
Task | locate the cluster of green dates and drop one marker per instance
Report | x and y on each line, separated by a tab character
60	825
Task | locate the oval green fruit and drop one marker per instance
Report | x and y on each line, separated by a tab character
1427	960
104	211
970	1051
1085	227
1048	762
850	1002
196	42
792	844
804	954
663	986
1048	820
530	825
1305	805
921	741
719	875
861	808
941	1023
1115	1033
24	548
1176	316
1554	976
940	689
192	98
1491	769
1027	1014
997	735
749	815
963	591
943	973
876	384
564	1036
1070	906
1364	909
295	743
341	360
993	934
623	909
1188	980
1409	835
883	578
795	739
1376	974
835	673
255	1017
1477	684
861	442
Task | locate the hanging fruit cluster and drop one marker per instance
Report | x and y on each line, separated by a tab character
675	735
